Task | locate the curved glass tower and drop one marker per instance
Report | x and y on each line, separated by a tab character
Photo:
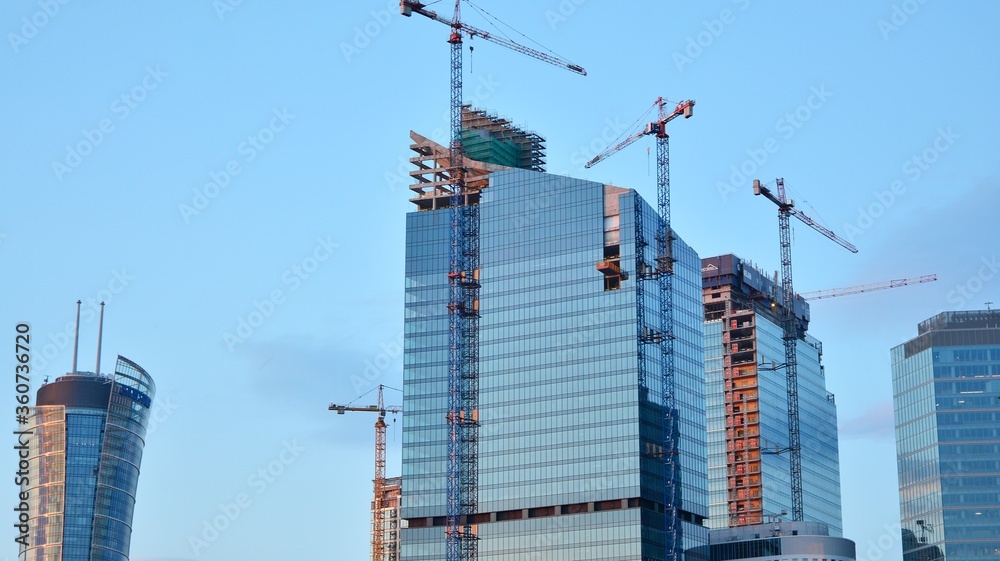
87	435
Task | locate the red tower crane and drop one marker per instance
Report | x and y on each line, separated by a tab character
378	513
463	301
786	209
662	335
657	127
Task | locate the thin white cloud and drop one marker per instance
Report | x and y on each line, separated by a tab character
875	422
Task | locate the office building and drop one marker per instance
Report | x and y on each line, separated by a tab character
87	436
747	403
778	540
946	386
569	445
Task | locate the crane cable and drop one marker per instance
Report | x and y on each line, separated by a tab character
370	391
488	15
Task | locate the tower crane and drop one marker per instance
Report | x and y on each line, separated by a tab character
463	300
786	209
378	513
663	336
857	289
657	127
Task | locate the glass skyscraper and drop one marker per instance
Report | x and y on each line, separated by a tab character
568	441
747	404
946	385
84	455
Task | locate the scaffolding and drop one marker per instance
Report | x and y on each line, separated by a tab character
495	140
489	143
741	386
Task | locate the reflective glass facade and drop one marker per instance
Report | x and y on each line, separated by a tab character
946	383
84	458
567	439
817	428
780	541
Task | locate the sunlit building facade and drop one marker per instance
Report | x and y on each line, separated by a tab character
88	433
569	441
946	385
747	404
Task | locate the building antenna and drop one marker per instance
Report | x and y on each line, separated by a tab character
100	331
76	337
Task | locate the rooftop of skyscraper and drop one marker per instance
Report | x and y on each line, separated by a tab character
969	319
751	281
972	327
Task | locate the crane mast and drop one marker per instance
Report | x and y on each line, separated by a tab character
463	335
378	511
786	210
463	301
664	273
663	334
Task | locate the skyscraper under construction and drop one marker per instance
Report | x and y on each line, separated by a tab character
747	403
570	428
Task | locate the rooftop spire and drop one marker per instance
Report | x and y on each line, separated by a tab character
76	337
100	331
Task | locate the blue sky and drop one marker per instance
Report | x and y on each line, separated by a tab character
194	162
